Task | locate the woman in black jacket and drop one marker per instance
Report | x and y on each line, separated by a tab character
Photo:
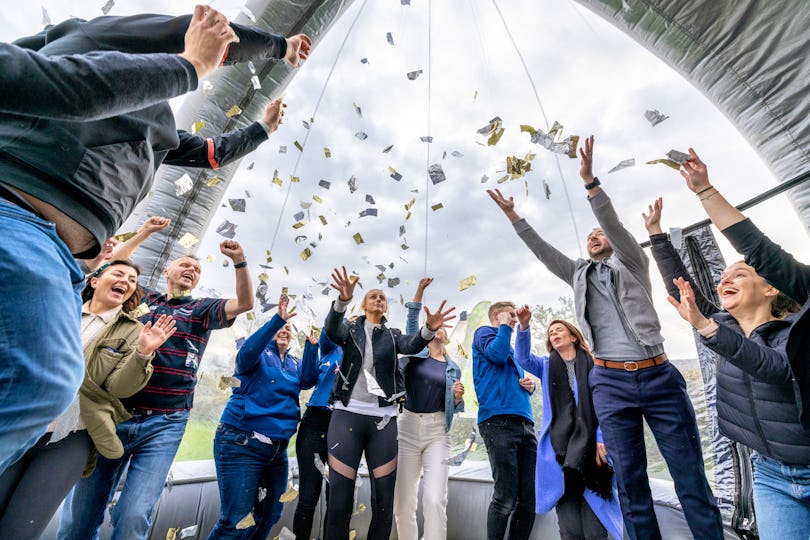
366	397
756	402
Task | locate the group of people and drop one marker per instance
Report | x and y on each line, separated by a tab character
108	393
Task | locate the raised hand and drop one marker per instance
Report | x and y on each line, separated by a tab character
695	173
507	205
232	250
154	335
527	384
420	288
586	164
652	221
508	318
458	392
207	39
343	284
298	48
155	224
283	305
439	318
311	337
687	307
273	114
524	316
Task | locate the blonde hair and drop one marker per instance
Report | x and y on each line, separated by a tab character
497	307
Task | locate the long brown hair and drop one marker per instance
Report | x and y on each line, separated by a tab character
130	303
580	342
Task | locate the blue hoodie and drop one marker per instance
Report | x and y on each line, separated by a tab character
267	400
331	356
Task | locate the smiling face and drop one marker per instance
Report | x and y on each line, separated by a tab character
183	274
114	286
598	245
375	302
741	289
282	337
561	337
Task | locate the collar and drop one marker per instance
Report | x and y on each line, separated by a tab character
179	294
106	316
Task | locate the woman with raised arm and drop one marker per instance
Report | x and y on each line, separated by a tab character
573	474
118	352
756	398
250	446
366	397
434	393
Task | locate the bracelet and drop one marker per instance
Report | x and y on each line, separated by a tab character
707	197
240	265
593	184
704	190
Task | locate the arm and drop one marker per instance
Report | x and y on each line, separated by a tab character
765	363
671	267
325	344
336	329
523	353
214	152
244	289
132	372
247	359
414	307
124	250
494	343
308	369
719	210
412	344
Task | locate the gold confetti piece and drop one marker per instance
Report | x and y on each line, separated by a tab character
188	240
462	352
517	167
298	145
123	237
250	316
525	128
288	496
394	174
323	219
408	215
212	181
277	181
358	238
327	152
140	311
410	204
294	179
475	96
360	508
171	533
353	533
306	254
317	199
503	179
667	162
404	246
227	381
495	137
556	130
574	143
211	258
246	522
233	111
285	291
467	282
263	276
267	256
437	206
298	225
197	126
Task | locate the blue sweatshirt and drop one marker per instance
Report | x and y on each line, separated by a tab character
267	400
496	375
331	356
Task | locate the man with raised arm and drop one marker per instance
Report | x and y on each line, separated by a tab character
160	411
632	380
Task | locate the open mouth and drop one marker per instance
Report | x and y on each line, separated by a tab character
120	289
725	293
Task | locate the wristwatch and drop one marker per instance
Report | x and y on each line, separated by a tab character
593	184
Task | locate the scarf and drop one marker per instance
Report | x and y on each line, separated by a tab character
574	442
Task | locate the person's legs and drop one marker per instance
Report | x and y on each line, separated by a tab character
409	465
522	522
501	436
592	528
274	480
434	484
153	449
616	396
569	508
381	457
39	287
669	413
781	499
346	443
311	441
52	470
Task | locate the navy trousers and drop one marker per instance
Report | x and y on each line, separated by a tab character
622	400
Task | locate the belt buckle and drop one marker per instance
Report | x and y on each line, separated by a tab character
631	366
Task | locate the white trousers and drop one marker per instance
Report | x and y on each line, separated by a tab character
423	446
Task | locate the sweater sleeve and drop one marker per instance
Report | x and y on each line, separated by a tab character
671	267
558	263
624	245
247	359
214	152
494	344
524	356
90	86
765	363
309	371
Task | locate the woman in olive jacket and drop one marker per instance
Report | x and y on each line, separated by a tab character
118	352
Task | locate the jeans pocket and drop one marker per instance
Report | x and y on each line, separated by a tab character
226	435
176	416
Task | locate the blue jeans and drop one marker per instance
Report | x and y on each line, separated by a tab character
150	443
512	448
41	360
781	499
622	400
251	476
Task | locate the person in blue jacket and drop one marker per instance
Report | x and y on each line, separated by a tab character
311	440
434	394
573	473
250	446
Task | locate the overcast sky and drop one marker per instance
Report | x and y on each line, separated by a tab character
590	77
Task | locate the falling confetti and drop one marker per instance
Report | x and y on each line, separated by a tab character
437	206
361	135
208	88
352	184
623	164
458	459
358	238
517	167
394	174
327	152
213	180
358	110
364	60
171	533
246	522
237	205
290	495
667	162
426	138
46	19
467	282
387	148
654	117
197	126
678	157
140	311
227	229
282	149
393	282
369	212
298	146
546	189
389	38
384	421
105	9
370	199
484	179
306	254
188	240
317	199
227	381
413	75
323	469
183	185
233	111
456	154
436	174
285	534
493	130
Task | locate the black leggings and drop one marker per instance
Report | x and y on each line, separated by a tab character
574	515
311	441
350	435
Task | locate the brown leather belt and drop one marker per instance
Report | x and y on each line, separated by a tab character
632	365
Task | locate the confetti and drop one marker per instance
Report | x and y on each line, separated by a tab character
426	138
458	459
250	316
305	123
556	130
227	381
227	229
436	174
484	179
46	19
364	60
370	199
323	220
294	179
467	282
389	38
183	185
319	464
171	533
282	149
250	167
383	421
257	84
213	180
475	96
237	205
352	184
546	189
387	148
285	534
188	240
456	154
197	126
317	199
410	204
327	152
437	206
123	237
361	135
667	162
493	130
306	254
358	238
249	14
246	522
140	311
401	230
654	117
290	495
358	110
677	157
298	225
300	239
413	75
208	88
105	9
369	212
393	282
298	146
517	167
394	174
277	181
623	164
325	184
234	111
